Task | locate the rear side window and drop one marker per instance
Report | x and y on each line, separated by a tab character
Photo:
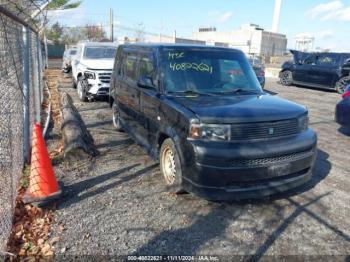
129	66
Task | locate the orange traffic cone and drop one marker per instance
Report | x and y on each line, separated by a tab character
43	186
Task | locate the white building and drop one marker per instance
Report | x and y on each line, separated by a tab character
250	38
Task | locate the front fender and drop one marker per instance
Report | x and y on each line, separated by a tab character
184	149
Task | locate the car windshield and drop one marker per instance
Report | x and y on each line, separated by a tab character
100	52
203	72
72	52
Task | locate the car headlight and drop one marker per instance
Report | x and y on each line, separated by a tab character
210	132
303	122
89	75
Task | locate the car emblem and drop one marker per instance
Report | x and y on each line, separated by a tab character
271	131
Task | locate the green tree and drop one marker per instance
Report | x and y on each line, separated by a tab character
63	4
55	33
95	33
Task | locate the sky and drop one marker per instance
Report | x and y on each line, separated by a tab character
328	21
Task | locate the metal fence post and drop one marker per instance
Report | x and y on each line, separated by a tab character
40	66
46	53
37	91
26	94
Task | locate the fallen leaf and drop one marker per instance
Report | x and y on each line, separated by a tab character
54	240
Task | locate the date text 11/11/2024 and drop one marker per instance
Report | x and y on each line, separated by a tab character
173	258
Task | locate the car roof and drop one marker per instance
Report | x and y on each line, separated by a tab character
330	53
99	44
176	46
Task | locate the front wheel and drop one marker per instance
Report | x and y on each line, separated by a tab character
170	166
342	84
81	91
286	78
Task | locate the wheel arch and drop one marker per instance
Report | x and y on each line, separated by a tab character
170	133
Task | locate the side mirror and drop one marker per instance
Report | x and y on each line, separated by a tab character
145	82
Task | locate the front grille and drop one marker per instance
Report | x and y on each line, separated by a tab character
105	77
103	91
270	160
264	130
257	162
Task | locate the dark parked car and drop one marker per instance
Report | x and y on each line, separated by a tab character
259	70
322	70
215	133
342	111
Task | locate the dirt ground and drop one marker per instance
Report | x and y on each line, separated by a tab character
116	204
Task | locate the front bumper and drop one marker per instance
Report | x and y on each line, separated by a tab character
99	87
244	170
342	112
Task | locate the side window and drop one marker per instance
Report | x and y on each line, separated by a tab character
147	70
326	60
118	63
129	66
310	60
146	67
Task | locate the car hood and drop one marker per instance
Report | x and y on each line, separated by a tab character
99	64
238	109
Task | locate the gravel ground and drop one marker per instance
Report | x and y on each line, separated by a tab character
116	204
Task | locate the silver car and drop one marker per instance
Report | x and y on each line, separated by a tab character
67	59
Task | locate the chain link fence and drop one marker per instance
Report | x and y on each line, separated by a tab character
21	89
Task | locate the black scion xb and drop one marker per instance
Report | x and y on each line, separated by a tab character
201	112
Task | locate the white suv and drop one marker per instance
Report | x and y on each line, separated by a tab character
92	69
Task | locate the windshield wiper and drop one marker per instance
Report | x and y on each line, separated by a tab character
190	92
240	90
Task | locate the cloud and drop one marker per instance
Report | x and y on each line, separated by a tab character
224	17
334	10
325	35
220	17
71	16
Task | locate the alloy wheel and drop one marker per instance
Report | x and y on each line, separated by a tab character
286	78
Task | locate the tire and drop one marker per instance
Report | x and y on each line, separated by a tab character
115	117
74	83
286	78
342	84
81	91
170	166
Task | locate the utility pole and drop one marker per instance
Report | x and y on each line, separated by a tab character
111	24
161	30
